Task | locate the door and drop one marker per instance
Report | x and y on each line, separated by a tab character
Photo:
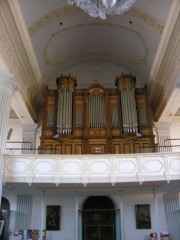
98	219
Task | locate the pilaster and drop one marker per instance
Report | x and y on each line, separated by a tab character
162	133
29	138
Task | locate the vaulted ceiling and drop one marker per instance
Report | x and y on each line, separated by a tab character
42	39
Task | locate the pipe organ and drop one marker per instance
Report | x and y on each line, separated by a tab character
96	120
126	87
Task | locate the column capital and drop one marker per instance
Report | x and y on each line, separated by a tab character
8	82
29	127
164	126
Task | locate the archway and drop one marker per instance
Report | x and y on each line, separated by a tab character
98	219
4	215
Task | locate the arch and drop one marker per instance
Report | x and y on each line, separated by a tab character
5	205
98	202
98	219
5	215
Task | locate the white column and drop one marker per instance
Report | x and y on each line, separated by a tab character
42	214
156	213
76	216
121	224
7	88
29	138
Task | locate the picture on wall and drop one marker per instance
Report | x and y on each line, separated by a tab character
53	218
143	216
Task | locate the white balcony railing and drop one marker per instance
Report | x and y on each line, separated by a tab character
91	168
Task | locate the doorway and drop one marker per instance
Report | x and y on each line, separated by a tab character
98	219
5	215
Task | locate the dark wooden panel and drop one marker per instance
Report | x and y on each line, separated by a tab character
78	149
48	149
126	148
58	149
136	147
117	148
68	149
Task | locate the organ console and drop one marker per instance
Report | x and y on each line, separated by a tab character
96	120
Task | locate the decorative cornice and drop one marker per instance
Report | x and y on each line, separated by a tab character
168	82
147	18
65	11
17	62
166	37
50	17
169	70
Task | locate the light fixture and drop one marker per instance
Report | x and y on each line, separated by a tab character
101	8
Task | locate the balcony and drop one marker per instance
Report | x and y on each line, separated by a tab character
91	169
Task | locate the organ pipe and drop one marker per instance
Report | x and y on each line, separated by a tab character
97	109
126	86
66	86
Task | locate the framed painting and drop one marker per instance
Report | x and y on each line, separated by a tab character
53	218
143	216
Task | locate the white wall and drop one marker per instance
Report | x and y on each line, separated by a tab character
175	134
68	216
126	203
130	231
16	136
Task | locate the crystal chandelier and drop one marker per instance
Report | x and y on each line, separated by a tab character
100	8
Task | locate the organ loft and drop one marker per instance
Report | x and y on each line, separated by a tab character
96	120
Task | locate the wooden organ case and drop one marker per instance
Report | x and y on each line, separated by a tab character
96	120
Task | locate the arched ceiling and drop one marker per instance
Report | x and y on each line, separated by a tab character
62	39
67	40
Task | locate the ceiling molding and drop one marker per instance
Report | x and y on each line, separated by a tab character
67	11
146	18
49	17
117	56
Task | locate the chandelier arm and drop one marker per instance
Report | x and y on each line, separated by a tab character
101	8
